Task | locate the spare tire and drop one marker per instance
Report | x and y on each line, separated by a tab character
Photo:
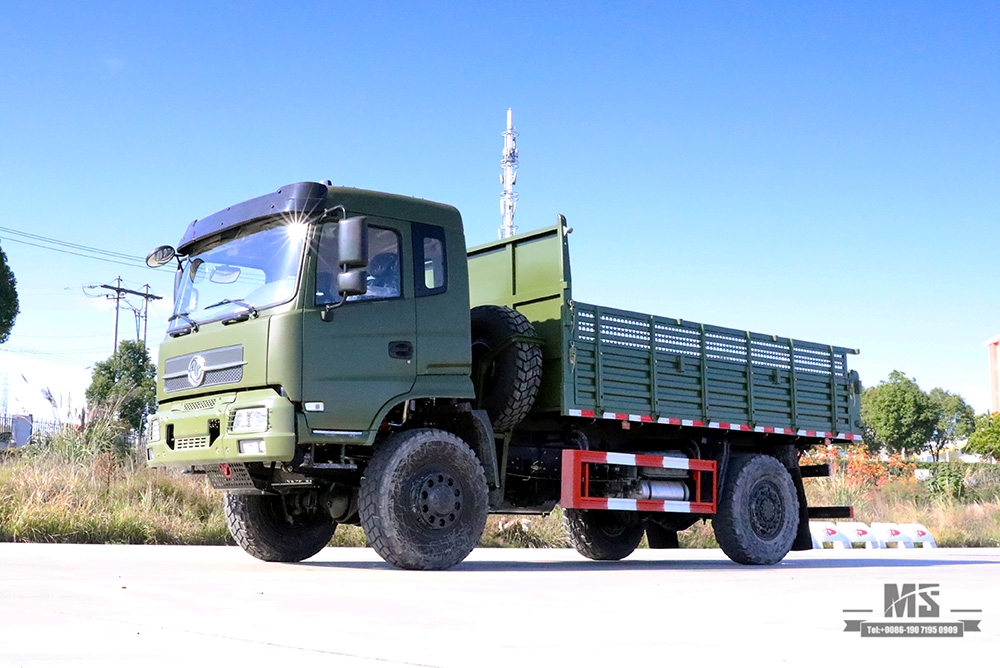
507	383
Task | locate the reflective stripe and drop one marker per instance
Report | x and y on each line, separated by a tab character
621	458
621	504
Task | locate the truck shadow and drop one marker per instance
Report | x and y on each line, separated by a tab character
667	565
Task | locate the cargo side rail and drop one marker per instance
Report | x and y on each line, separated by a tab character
634	367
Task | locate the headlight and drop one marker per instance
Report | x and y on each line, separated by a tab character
252	447
249	419
154	430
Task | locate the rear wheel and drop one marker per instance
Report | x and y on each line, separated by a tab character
758	514
279	528
603	535
423	500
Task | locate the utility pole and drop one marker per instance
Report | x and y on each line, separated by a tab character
118	295
145	311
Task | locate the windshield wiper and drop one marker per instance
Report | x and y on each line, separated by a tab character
192	326
239	302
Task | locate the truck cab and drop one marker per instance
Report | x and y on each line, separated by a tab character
264	353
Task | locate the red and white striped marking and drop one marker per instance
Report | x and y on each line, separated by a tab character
648	506
728	426
653	461
576	485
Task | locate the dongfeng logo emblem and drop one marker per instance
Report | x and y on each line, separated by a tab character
196	370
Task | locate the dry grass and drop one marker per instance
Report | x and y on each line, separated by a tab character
953	522
44	498
78	488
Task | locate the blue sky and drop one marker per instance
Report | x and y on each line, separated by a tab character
827	172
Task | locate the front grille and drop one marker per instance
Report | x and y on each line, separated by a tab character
232	375
221	366
199	405
230	476
191	442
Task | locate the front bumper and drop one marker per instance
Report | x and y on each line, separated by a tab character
197	432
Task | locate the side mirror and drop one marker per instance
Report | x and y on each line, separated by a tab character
352	283
352	240
160	256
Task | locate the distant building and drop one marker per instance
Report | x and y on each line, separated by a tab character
992	346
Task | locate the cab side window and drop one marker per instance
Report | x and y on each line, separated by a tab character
384	266
430	264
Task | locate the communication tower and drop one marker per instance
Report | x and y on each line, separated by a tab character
508	162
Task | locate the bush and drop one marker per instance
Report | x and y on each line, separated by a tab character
88	487
959	502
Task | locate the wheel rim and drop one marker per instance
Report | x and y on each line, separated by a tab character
614	528
293	510
767	512
439	500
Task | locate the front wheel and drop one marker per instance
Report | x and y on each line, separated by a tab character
758	514
603	535
291	527
423	500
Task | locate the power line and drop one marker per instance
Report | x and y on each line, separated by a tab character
69	248
69	358
75	337
69	244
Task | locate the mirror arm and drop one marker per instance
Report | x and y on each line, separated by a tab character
327	314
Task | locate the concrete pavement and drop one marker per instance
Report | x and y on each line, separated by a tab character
108	605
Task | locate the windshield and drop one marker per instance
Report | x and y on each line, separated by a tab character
242	271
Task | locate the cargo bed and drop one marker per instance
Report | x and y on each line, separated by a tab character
606	363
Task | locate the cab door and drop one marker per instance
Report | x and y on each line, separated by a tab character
363	358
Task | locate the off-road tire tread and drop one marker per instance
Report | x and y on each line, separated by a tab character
243	517
376	527
520	398
585	535
732	531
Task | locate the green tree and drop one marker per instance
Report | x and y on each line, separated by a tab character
986	439
957	421
125	384
9	306
898	415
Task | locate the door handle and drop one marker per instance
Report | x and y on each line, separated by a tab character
400	350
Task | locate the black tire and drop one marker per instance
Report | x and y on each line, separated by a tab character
758	514
423	500
603	535
508	387
263	526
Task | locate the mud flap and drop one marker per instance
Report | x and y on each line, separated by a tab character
803	539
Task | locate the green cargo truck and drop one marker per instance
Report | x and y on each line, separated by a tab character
336	356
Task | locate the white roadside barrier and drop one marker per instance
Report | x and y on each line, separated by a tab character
892	533
879	535
859	532
918	533
827	532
